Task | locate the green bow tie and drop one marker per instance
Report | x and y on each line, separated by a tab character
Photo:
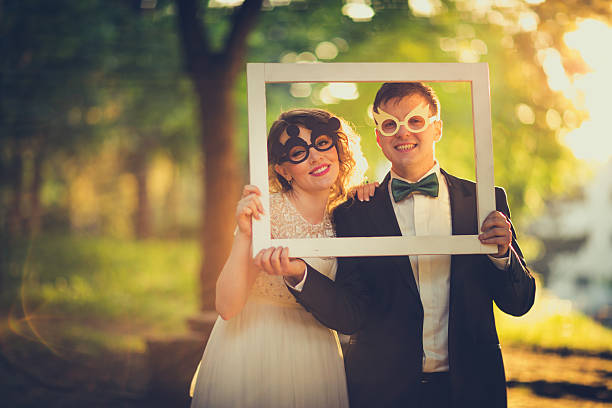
401	189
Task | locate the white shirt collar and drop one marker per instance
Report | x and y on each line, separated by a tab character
434	169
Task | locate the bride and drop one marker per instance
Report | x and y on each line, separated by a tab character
265	350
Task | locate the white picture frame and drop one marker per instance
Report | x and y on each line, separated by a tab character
477	74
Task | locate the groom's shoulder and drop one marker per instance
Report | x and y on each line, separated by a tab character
458	182
350	207
469	187
354	208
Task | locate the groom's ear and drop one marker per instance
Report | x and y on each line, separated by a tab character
438	124
377	133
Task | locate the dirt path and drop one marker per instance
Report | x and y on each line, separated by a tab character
31	375
539	379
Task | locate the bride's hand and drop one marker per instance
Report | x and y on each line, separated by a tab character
363	191
249	206
276	261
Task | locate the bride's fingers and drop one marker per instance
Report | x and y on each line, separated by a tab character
284	259
265	260
275	261
360	193
253	210
257	259
258	205
260	259
250	189
253	203
372	188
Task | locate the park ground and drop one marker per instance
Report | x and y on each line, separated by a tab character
102	323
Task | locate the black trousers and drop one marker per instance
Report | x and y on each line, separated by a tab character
434	390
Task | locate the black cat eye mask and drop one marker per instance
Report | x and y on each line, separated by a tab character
323	137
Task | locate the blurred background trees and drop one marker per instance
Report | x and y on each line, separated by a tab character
128	119
123	146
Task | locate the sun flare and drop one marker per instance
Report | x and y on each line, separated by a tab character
589	91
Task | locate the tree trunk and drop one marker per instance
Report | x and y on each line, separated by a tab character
221	181
15	216
172	205
142	217
34	221
214	75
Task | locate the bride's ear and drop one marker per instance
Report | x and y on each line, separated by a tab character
283	172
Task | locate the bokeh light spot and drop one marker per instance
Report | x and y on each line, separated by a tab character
326	50
358	11
300	90
525	114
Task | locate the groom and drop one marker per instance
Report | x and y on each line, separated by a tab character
422	327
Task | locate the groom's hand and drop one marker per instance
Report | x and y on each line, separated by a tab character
276	261
496	230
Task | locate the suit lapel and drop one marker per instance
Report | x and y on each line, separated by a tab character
464	220
462	203
382	212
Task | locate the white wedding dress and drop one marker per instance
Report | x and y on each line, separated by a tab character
274	353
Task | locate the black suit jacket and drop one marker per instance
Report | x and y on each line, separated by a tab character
376	300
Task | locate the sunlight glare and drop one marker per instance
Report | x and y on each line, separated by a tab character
528	21
224	3
358	11
550	59
344	90
425	8
588	40
553	119
591	141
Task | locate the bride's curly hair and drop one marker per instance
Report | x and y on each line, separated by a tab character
352	163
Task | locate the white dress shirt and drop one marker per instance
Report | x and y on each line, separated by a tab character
420	214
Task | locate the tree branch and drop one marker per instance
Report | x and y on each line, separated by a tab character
244	19
193	35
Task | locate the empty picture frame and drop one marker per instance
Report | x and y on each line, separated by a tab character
477	74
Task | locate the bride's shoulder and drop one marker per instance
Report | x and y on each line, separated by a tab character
277	201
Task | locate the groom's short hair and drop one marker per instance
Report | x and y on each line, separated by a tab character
391	90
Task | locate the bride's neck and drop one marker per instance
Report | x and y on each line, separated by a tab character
311	205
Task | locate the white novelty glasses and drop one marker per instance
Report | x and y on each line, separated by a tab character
416	121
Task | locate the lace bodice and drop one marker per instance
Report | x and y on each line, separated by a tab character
287	222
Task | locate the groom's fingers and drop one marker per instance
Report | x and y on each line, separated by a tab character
495	219
495	232
500	235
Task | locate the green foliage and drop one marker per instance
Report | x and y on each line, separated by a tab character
77	73
101	285
530	162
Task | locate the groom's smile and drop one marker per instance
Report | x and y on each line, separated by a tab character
404	147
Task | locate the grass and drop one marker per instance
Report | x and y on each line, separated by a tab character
99	292
553	323
86	294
